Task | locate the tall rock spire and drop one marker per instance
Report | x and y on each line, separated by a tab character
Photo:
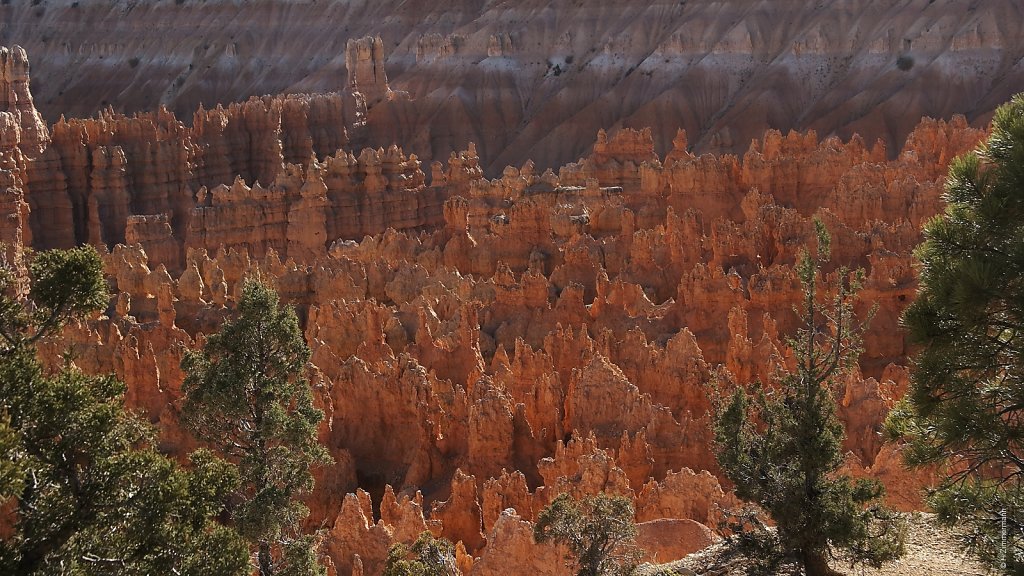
364	59
16	98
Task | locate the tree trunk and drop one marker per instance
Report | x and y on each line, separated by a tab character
266	560
815	564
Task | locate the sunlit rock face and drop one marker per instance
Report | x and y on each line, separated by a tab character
479	345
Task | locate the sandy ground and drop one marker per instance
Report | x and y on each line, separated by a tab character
931	551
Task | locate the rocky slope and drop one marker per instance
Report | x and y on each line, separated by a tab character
479	345
535	79
931	551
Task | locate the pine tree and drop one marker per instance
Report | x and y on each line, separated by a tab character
598	531
428	556
246	394
10	471
965	407
63	285
89	495
783	447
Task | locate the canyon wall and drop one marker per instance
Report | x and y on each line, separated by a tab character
536	79
479	345
272	172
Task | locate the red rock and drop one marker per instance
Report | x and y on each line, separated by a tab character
459	516
480	345
666	539
510	544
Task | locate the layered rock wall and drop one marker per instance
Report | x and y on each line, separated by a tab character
270	172
535	80
481	345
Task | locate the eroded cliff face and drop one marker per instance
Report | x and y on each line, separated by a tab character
479	345
272	172
536	79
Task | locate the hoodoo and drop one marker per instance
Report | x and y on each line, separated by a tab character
525	243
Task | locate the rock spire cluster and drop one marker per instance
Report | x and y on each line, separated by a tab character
479	345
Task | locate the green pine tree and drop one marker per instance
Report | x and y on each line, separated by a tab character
428	556
10	471
783	447
965	407
89	495
247	395
598	531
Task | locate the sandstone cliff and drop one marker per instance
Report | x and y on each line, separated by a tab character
537	79
480	345
150	179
